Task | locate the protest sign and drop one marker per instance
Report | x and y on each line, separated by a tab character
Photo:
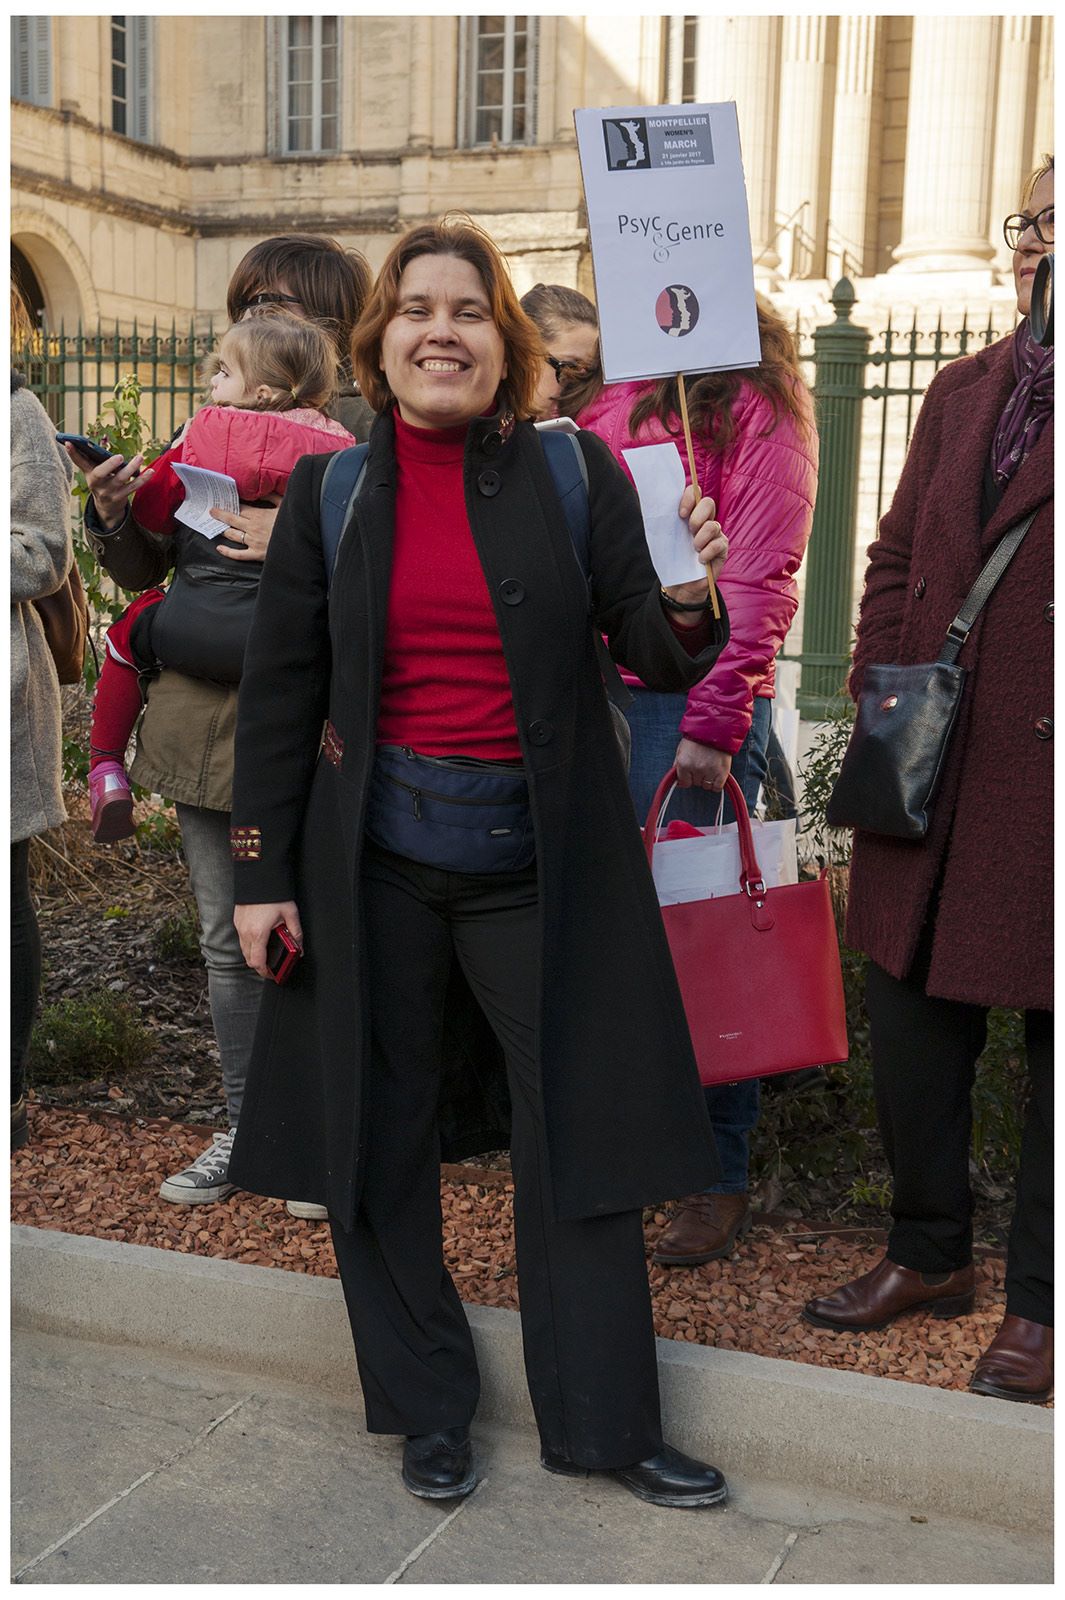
670	236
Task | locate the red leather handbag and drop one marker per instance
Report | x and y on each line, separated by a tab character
759	970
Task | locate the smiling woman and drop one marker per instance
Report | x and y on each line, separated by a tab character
442	355
457	864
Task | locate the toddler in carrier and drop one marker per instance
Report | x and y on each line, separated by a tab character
270	378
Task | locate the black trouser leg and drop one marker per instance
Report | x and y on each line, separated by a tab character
412	1341
924	1056
25	964
1030	1258
585	1302
587	1328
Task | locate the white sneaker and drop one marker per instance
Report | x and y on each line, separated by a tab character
206	1179
307	1209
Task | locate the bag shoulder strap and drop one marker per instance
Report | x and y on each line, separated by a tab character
569	471
982	589
341	483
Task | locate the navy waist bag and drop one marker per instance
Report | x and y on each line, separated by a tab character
456	813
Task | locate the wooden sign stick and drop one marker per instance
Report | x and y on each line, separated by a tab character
695	480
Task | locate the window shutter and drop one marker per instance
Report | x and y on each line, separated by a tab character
140	75
532	77
31	59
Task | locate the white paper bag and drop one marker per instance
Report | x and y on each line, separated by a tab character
707	866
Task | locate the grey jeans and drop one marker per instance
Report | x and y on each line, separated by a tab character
233	989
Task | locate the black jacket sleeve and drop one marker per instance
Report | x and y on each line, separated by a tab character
284	697
626	593
130	554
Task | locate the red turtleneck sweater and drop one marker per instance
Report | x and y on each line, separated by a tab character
445	689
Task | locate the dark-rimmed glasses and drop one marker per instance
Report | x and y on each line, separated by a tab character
1014	228
269	298
568	371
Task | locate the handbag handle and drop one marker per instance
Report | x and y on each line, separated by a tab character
751	880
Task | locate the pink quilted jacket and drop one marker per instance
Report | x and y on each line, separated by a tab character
764	488
257	448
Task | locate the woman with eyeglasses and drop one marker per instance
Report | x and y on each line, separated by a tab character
569	325
185	736
962	919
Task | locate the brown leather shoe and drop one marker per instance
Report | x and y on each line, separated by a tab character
879	1296
705	1228
1018	1364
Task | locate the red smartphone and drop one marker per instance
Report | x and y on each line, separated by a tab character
282	953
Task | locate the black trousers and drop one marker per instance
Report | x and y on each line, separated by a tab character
25	964
586	1319
924	1060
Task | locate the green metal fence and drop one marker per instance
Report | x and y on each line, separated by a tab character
864	428
75	374
867	390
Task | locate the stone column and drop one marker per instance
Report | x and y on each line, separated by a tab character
420	125
675	59
739	59
804	154
1012	122
855	148
1043	140
946	203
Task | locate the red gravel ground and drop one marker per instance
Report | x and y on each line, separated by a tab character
88	1175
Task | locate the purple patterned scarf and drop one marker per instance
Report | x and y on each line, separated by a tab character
1027	408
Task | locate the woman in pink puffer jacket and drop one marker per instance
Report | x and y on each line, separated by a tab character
756	454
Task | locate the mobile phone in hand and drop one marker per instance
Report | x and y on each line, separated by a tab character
282	953
88	448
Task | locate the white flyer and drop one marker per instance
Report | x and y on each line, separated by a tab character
203	490
658	473
671	239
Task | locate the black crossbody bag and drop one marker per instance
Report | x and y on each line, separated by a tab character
906	718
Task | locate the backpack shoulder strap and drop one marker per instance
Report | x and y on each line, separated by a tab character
341	483
568	468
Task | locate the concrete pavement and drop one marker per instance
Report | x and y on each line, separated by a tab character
140	1465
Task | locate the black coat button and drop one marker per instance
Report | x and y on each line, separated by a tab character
512	592
541	732
1048	612
919	588
489	482
1044	728
492	442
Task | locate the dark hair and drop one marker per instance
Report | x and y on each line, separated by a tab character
1046	165
291	356
712	395
551	305
331	283
455	235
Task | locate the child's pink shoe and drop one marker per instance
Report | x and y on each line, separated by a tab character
112	802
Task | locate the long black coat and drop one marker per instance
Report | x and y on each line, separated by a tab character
625	1116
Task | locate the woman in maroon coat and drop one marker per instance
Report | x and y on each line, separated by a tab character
961	920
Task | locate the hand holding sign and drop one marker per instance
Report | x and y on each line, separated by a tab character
711	548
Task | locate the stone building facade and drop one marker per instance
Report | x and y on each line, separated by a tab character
148	153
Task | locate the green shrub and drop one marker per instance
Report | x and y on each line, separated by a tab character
97	1034
159	829
177	938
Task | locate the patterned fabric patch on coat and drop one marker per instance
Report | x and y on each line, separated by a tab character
245	844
